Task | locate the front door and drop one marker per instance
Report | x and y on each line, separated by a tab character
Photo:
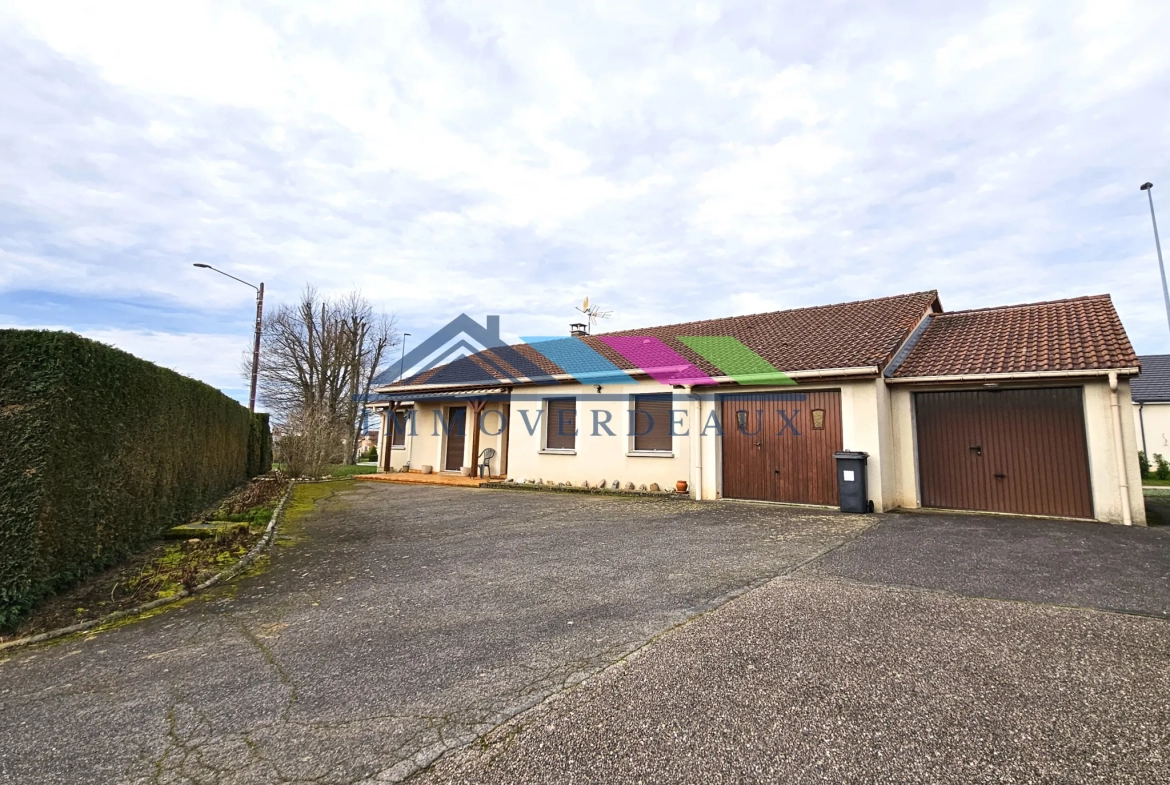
779	446
456	437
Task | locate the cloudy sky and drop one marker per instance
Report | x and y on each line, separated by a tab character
672	161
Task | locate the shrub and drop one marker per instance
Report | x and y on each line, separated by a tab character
1144	464
1162	470
101	452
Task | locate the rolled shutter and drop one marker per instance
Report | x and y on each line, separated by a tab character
561	425
652	415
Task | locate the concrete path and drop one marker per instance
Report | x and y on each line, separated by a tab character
870	665
406	621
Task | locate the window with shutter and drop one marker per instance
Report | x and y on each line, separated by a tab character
560	425
398	429
651	418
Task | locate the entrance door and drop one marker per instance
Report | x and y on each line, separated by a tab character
456	437
1021	451
779	446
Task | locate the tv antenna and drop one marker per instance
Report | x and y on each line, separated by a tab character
593	313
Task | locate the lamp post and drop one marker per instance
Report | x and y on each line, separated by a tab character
1149	189
259	321
402	358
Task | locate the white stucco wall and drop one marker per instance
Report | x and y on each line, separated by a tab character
1156	417
597	455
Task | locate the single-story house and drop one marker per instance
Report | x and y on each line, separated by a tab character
1151	410
1016	409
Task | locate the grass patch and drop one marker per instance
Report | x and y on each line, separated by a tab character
303	502
341	470
1155	481
350	471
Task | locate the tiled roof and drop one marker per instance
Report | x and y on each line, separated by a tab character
1153	383
1083	333
844	335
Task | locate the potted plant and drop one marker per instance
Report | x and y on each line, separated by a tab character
681	486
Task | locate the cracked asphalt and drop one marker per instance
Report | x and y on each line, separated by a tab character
405	622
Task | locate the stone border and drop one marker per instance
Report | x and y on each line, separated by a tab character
527	486
232	571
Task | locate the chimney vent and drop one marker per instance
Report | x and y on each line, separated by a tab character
578	328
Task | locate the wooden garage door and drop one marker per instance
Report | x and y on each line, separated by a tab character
779	446
1020	451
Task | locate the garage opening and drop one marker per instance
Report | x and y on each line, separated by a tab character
779	446
1020	451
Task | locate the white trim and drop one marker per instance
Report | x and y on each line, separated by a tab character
1007	377
649	454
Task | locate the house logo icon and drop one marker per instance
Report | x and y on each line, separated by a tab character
461	334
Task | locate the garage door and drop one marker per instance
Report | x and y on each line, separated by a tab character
1021	451
779	446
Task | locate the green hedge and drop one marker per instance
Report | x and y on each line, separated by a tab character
102	451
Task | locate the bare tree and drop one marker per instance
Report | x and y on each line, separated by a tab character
318	358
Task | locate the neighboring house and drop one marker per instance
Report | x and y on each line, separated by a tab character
369	439
1151	411
1020	409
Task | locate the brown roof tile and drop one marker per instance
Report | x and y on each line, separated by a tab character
1083	333
843	335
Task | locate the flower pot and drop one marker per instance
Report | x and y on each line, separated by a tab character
427	469
681	486
464	471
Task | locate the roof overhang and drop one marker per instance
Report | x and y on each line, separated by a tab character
989	378
397	398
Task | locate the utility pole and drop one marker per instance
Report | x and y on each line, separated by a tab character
259	324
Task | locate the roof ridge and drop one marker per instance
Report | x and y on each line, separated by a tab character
771	313
1082	298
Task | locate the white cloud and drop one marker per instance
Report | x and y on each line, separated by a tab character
505	157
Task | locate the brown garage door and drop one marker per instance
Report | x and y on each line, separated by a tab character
1020	451
779	446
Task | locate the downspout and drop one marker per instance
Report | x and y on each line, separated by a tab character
1123	484
696	443
1142	422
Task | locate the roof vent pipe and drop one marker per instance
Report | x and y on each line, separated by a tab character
1123	483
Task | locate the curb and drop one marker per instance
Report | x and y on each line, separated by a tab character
524	486
230	572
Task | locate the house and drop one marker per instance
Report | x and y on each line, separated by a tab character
369	439
1151	411
1017	409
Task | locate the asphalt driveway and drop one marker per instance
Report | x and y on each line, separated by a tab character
931	649
405	622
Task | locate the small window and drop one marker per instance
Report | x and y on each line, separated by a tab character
398	429
560	426
651	421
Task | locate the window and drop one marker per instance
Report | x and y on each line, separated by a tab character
398	429
560	424
651	421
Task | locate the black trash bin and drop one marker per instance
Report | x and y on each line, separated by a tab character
851	486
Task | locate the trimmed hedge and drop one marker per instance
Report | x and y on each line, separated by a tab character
100	452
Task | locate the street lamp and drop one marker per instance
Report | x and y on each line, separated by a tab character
259	317
402	359
1149	189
